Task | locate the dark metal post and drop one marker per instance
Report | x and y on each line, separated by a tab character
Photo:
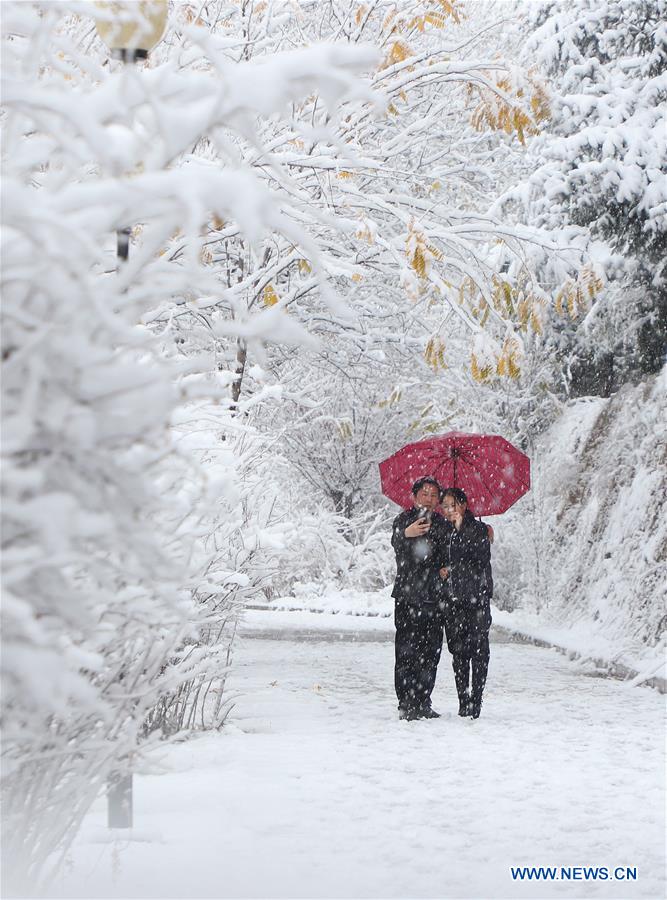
119	787
129	55
113	30
123	244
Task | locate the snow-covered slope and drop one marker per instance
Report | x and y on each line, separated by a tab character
587	548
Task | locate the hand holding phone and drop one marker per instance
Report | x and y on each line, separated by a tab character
421	525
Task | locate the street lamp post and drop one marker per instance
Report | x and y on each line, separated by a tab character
130	29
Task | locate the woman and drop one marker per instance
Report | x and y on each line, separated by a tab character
467	607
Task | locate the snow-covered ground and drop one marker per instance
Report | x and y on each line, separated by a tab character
315	789
578	636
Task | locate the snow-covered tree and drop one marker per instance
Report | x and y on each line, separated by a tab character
129	528
600	171
392	194
440	157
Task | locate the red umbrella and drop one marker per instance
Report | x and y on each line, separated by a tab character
492	472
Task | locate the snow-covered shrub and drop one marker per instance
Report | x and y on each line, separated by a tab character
327	550
234	539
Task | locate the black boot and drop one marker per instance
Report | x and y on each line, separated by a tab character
480	666
427	712
464	705
461	665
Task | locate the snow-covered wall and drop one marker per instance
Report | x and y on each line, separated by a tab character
586	550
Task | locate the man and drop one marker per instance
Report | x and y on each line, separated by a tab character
418	539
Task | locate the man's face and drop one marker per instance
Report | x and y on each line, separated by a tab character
427	496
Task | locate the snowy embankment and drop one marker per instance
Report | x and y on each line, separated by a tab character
582	559
315	789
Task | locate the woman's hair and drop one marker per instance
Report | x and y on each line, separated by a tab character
426	479
458	495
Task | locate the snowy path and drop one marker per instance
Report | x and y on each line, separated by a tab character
315	789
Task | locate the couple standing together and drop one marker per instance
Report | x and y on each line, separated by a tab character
443	583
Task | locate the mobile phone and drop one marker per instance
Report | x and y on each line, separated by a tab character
425	514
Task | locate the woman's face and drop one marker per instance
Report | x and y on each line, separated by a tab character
453	511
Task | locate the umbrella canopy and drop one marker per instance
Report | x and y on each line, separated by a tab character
492	472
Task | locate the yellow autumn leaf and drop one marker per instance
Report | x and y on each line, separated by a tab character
536	318
575	296
453	9
507	294
434	354
269	295
392	399
398	52
560	296
572	304
365	231
389	20
419	263
496	113
513	367
508	361
436	19
479	373
344	429
591	281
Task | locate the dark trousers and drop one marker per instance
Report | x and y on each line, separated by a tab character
419	632
467	630
475	662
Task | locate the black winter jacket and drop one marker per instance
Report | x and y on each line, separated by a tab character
468	558
418	559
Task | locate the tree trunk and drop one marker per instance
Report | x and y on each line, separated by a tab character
241	356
